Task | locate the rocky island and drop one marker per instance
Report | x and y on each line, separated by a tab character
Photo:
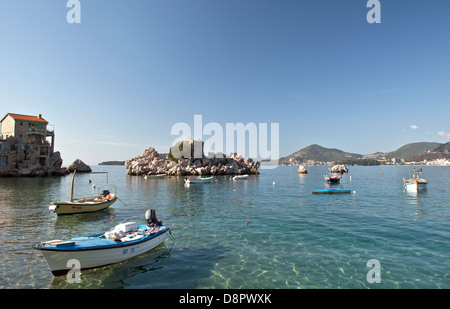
340	168
192	161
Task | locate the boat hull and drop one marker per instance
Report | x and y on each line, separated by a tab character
333	180
59	259
198	180
240	177
332	191
157	176
70	208
415	186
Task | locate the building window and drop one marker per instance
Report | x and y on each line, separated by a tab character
3	160
21	123
20	135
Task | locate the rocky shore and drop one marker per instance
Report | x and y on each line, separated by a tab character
54	168
150	163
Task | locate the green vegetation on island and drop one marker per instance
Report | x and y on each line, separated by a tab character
364	162
112	163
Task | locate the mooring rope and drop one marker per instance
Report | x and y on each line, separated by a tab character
28	266
122	201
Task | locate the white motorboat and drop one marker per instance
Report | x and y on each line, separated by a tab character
197	180
240	177
121	243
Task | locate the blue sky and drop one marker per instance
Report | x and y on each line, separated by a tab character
116	83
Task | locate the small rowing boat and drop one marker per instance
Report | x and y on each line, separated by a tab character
157	176
332	191
121	243
240	177
197	180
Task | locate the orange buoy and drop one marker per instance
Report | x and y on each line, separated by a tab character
246	223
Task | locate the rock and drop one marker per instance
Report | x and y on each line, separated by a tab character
79	166
302	170
60	172
150	163
340	168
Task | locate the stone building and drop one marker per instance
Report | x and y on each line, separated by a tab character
24	142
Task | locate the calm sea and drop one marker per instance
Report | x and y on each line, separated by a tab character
265	232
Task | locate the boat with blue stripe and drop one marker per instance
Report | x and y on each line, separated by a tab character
121	243
198	180
332	191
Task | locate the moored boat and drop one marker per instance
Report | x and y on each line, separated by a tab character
416	182
240	177
332	191
197	180
332	179
84	204
121	243
157	176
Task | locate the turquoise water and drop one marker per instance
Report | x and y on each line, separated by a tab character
293	239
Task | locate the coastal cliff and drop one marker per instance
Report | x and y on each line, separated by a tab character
28	168
150	163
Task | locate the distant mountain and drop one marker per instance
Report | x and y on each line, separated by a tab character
319	153
440	152
411	150
322	154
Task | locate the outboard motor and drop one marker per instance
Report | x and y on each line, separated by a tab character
105	193
150	216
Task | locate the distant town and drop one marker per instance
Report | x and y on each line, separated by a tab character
368	162
422	153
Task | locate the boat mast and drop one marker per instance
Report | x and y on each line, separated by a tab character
71	189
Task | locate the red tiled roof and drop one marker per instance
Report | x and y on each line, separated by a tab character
26	117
